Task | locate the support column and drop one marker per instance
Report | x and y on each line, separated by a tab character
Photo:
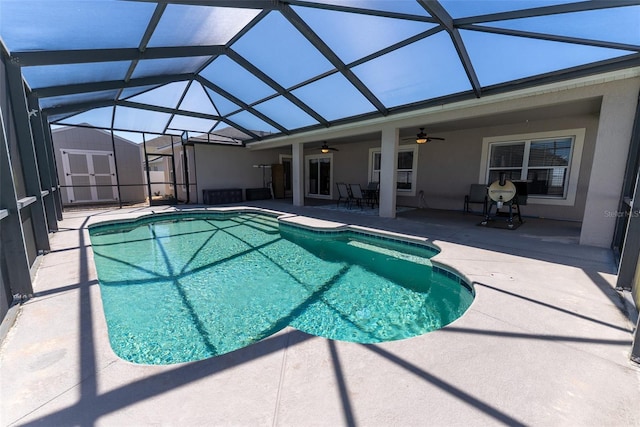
635	347
12	246
388	171
44	165
20	110
607	171
629	268
631	248
297	174
115	162
146	168
627	233
55	189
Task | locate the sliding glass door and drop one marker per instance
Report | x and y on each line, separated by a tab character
319	176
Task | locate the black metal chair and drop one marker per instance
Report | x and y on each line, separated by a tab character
372	194
357	195
478	195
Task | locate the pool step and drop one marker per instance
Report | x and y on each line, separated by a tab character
266	224
390	252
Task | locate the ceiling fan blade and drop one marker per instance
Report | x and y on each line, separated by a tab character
435	137
325	148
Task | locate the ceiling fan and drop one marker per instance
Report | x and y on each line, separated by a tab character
423	138
325	148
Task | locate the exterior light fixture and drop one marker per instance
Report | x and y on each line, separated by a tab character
421	137
325	148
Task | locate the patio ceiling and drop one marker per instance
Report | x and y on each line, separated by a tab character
253	70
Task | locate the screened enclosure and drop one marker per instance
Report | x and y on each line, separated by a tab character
272	68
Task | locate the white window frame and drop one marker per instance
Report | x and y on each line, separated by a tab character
573	170
414	168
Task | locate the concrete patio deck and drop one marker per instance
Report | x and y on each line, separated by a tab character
545	343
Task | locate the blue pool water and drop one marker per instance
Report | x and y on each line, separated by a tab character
185	287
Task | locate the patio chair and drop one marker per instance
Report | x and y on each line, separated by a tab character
344	195
357	195
477	194
372	193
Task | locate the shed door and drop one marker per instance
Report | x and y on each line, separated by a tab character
90	176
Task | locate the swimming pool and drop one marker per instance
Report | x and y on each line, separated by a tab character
187	286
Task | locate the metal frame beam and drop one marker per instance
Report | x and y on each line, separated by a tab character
628	186
241	104
396	46
631	249
552	37
635	347
18	97
46	92
360	11
142	47
328	53
245	4
57	197
547	10
12	248
440	14
168	110
71	110
44	164
275	86
630	204
115	158
171	117
57	57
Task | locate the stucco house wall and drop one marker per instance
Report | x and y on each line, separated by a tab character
222	167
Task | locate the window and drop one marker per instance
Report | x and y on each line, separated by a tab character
543	164
406	168
548	162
